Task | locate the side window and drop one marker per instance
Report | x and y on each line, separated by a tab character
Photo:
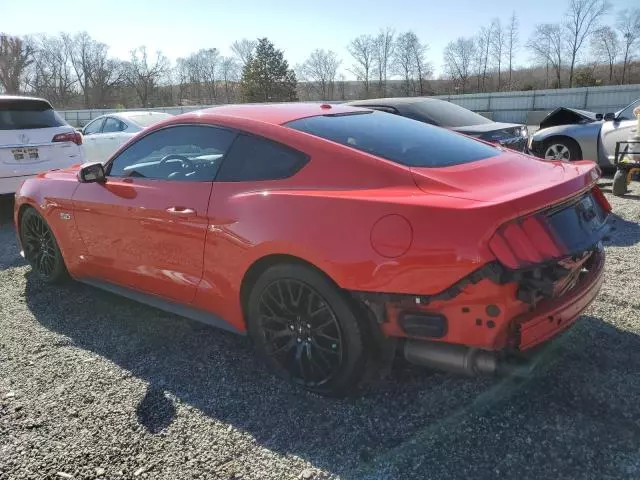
253	158
112	125
181	153
93	127
627	113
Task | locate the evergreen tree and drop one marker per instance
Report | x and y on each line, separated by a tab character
266	77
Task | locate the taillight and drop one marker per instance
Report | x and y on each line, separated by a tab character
601	199
75	137
525	241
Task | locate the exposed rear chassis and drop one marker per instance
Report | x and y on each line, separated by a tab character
543	306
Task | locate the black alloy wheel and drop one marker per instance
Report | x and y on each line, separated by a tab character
309	332
301	332
40	247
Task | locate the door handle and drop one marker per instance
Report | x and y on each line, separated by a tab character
181	211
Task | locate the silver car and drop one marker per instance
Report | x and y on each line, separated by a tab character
569	134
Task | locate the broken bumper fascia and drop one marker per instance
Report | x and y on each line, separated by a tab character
486	310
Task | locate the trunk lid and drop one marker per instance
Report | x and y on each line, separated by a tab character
525	182
484	128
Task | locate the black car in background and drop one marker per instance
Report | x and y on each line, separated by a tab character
454	117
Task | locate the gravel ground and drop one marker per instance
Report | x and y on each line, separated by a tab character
95	386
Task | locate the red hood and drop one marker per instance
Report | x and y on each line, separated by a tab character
528	183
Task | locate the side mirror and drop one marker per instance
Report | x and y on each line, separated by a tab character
609	117
91	173
599	116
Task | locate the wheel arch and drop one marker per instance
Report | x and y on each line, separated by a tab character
383	348
23	208
262	264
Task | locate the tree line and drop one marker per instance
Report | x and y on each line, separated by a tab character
579	50
77	71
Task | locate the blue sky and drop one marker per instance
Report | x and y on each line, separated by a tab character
298	27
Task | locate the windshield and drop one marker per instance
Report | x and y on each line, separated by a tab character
28	114
148	119
446	114
627	112
396	138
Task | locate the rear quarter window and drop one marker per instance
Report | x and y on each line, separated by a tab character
401	140
253	158
28	114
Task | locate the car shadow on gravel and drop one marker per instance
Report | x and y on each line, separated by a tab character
412	416
6	209
626	233
217	373
8	248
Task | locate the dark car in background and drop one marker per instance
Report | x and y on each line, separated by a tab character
453	117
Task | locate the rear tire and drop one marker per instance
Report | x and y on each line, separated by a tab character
619	186
41	248
561	148
306	331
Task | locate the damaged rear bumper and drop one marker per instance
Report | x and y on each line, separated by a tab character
480	328
554	315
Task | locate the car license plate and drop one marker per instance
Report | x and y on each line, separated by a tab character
20	154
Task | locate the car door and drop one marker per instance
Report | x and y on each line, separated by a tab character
114	135
145	227
617	130
91	135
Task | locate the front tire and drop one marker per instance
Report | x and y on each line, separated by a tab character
41	248
564	149
306	331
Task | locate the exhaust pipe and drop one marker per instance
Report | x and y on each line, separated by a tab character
460	359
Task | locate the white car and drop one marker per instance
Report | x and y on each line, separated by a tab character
33	139
105	134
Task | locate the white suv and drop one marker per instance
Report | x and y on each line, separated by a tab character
33	139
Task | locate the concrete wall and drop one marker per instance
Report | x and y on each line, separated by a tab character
515	106
518	107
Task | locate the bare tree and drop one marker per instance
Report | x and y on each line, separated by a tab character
458	58
582	18
362	50
143	75
498	47
182	75
421	65
409	62
512	44
606	47
484	46
320	70
51	74
628	24
382	54
342	87
243	49
478	60
207	61
229	72
108	74
403	61
547	46
15	57
86	56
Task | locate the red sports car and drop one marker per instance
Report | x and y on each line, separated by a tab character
335	236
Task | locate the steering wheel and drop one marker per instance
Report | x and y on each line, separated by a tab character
185	162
